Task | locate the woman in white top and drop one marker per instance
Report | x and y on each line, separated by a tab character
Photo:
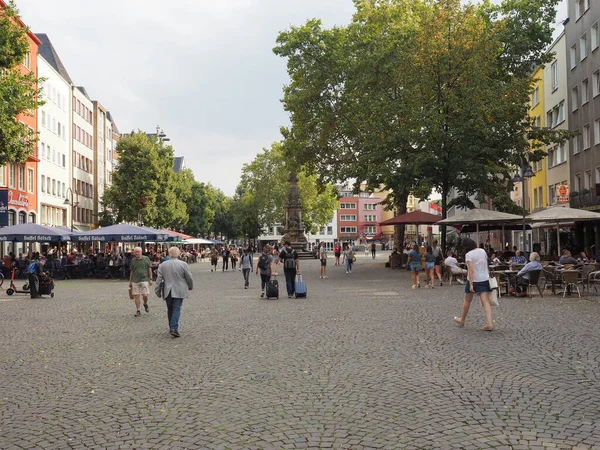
477	282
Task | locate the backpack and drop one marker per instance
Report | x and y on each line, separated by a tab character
30	268
263	262
290	260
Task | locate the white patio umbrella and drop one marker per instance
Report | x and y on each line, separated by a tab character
481	216
562	214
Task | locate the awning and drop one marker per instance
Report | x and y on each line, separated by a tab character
33	232
182	236
121	233
415	217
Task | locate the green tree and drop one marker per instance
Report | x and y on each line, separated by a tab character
264	190
18	90
417	95
223	225
201	207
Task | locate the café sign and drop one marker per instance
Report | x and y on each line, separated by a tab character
18	199
562	193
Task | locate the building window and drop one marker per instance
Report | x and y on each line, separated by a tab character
583	47
370	230
347	229
43	183
596	83
370	218
587	180
584	91
562	116
577	182
348	217
597	176
22	217
53	187
586	137
535	97
48	184
535	198
581	6
554	72
330	231
2	176
551	195
21	178
27	62
30	183
595	36
575	98
575	143
573	56
43	118
347	205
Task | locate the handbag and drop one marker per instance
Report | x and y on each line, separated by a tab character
494	291
353	258
131	293
159	289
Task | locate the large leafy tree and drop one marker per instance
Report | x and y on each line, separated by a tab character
416	95
18	89
263	190
201	207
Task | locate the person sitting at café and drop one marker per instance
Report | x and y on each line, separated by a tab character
521	280
451	262
567	258
518	258
494	260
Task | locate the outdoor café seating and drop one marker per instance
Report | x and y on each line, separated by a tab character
571	279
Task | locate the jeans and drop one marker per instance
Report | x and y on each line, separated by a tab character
264	279
348	265
34	285
246	273
290	280
225	264
173	311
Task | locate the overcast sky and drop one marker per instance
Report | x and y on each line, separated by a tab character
202	70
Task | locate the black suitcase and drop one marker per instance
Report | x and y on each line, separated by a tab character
272	289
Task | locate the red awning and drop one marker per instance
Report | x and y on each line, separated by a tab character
415	217
179	235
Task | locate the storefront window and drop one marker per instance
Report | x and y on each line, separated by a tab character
22	217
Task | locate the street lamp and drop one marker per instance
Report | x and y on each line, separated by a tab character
525	172
160	135
72	204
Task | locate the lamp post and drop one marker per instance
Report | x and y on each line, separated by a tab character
160	134
525	172
72	204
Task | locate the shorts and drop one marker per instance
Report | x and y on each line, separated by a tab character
140	288
337	255
415	267
479	287
323	263
429	265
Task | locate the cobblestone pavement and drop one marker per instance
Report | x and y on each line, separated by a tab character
363	363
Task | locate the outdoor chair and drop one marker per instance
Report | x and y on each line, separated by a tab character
593	279
551	276
536	280
571	278
448	275
502	281
585	274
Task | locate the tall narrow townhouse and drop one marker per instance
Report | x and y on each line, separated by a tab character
582	31
111	155
19	180
537	184
102	144
54	145
83	159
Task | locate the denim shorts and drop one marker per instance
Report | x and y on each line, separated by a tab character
478	287
429	265
415	267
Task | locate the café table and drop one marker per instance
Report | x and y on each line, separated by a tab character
507	274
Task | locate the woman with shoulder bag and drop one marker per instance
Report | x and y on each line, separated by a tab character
478	282
439	259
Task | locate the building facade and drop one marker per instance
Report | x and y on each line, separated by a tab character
54	119
537	184
82	166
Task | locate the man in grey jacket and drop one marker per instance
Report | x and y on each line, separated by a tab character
175	281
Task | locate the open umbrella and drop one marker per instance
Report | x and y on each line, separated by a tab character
197	241
563	214
120	233
413	218
479	216
33	232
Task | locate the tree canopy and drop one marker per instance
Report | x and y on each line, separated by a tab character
18	89
418	95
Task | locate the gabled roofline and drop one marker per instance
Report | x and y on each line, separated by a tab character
31	35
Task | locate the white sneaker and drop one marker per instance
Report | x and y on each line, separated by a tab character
347	271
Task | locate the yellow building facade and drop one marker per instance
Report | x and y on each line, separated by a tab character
536	191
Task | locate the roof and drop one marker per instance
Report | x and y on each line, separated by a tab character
179	164
84	92
477	215
112	121
48	52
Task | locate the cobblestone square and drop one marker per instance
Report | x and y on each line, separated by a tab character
363	363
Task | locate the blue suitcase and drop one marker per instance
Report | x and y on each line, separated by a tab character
300	287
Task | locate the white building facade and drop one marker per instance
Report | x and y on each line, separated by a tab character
82	159
54	125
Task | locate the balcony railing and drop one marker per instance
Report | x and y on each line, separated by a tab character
585	198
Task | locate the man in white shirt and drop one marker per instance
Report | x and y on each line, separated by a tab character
451	262
323	258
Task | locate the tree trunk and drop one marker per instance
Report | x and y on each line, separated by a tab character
444	215
401	200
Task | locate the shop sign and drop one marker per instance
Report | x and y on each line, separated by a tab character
18	199
562	193
3	208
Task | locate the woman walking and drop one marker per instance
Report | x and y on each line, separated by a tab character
429	267
173	283
439	257
348	258
414	264
214	259
247	266
234	257
477	283
265	266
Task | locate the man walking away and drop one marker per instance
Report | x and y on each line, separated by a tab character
373	249
291	267
140	278
265	262
246	266
323	258
177	282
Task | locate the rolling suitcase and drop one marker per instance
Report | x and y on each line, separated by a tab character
272	289
300	287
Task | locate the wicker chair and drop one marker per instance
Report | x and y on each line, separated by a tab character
536	280
585	275
571	278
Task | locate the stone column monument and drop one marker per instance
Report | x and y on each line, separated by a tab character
294	228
